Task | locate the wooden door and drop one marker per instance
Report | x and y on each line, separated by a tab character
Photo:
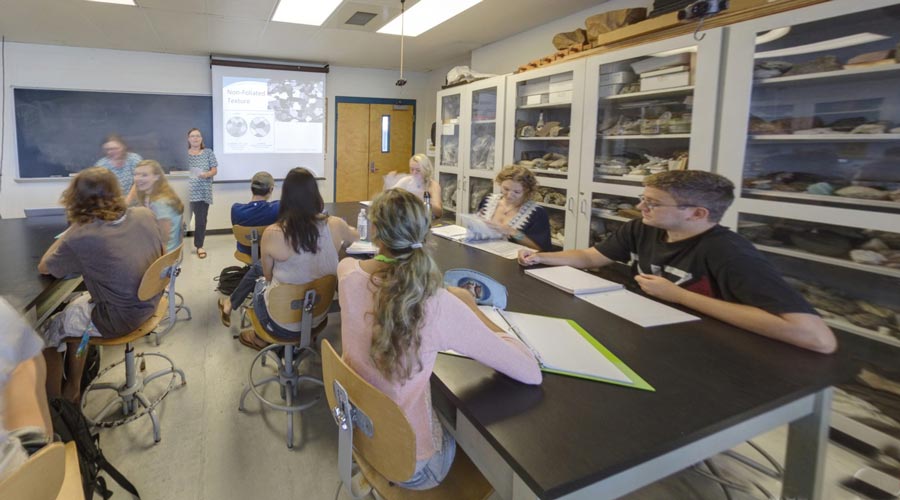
390	142
372	140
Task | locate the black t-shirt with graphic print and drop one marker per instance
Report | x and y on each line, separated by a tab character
717	263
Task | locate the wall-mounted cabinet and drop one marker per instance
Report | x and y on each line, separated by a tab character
648	110
544	112
470	145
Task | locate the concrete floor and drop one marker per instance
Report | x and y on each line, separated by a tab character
209	450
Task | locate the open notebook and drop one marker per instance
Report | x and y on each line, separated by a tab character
564	348
500	247
361	248
611	296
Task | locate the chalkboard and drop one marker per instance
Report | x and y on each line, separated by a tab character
59	132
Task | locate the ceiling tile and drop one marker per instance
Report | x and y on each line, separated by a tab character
234	36
127	29
242	9
195	6
180	32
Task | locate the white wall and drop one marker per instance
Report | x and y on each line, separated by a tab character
506	55
50	66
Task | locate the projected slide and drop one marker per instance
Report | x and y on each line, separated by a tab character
268	119
262	115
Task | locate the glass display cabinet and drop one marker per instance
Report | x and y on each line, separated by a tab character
649	110
544	118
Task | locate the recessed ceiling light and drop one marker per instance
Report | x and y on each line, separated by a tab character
425	15
304	12
833	44
119	2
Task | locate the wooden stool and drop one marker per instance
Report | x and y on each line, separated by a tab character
130	393
375	432
290	304
52	473
248	236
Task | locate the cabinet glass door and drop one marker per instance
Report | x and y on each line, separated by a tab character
448	148
824	124
483	138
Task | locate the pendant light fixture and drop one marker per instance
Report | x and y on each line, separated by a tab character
401	82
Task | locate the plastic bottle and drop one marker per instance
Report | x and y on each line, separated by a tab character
540	122
427	197
362	224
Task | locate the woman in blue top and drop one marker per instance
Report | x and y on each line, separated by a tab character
152	190
513	213
202	165
119	161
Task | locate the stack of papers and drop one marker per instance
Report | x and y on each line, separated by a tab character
573	280
450	231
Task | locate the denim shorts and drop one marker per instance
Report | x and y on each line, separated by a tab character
429	473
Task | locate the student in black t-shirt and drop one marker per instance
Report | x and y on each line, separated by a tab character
679	253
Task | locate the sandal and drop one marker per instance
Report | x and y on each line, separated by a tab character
249	339
201	253
226	318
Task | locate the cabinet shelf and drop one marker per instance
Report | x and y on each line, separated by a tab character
548	171
651	93
825	137
800	254
617	218
883	71
551	206
481	122
842	324
566	138
554	105
645	137
623	178
818	198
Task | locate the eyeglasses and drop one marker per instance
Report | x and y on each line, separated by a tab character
652	205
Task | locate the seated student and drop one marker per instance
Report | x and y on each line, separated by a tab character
421	179
24	414
111	247
258	212
301	246
152	190
513	213
679	253
395	318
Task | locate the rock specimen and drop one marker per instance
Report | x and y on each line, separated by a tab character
565	40
862	192
867	257
818	65
612	20
870	128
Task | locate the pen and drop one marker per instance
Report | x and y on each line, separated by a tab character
518	333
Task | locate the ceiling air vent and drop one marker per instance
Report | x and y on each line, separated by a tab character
360	18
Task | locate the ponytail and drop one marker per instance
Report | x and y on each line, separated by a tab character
402	288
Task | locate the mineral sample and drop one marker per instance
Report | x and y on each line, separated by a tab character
818	65
862	192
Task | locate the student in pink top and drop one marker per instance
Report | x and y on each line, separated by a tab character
396	316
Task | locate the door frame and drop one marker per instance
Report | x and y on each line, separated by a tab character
366	100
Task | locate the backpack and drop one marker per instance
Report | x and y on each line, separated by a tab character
229	278
69	423
91	365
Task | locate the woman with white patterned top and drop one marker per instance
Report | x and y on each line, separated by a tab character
203	167
513	213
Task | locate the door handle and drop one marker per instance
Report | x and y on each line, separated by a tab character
570	204
584	206
372	167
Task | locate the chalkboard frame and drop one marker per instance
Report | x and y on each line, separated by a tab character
164	144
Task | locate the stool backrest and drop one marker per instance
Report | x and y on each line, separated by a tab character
40	478
156	277
285	301
391	450
249	236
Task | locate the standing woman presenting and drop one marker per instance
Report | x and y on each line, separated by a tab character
202	165
119	161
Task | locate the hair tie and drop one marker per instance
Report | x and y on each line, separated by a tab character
416	245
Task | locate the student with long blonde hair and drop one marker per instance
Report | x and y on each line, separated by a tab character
153	191
396	316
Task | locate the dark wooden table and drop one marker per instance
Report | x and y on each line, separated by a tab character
716	386
22	243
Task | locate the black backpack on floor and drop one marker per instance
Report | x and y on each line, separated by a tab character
229	278
69	423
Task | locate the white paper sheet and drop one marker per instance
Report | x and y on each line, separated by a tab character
502	248
573	280
637	308
361	248
450	231
560	346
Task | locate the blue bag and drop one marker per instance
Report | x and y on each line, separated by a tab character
487	290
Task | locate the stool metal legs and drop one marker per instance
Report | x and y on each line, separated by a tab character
131	392
288	378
